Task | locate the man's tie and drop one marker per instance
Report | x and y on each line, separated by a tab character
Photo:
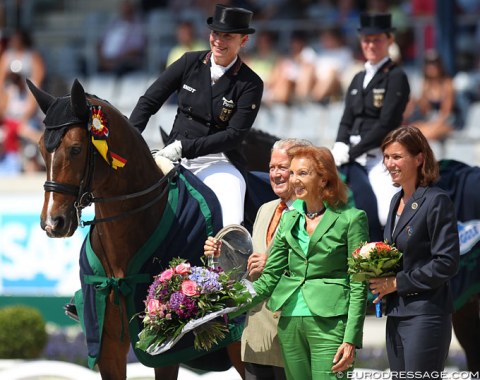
275	220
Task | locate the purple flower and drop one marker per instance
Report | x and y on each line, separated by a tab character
152	290
206	279
182	305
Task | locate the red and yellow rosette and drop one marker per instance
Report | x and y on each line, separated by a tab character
99	131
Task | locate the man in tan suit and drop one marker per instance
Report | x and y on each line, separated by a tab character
260	347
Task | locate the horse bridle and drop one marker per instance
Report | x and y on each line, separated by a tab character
85	197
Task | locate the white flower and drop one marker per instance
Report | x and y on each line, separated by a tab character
366	250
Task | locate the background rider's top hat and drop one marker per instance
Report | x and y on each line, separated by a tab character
374	23
231	20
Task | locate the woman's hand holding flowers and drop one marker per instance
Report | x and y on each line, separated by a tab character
382	286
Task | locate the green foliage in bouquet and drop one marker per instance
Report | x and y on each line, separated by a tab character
376	259
22	334
182	295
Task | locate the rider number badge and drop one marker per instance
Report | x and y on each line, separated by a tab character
228	107
378	96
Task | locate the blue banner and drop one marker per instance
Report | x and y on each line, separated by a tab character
31	263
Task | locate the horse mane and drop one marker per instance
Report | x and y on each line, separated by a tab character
115	109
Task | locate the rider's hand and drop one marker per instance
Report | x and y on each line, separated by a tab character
362	160
340	153
172	151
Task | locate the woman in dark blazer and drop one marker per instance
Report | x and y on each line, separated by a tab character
218	100
422	225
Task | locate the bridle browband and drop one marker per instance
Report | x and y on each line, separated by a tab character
85	197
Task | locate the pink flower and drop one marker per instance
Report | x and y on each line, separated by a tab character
167	274
153	307
356	253
190	288
183	269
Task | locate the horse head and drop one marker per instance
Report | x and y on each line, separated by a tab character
83	156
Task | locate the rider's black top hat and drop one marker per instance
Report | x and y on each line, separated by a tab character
231	20
374	23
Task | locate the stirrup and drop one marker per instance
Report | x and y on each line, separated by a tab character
71	311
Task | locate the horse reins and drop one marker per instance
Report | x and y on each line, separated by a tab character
165	178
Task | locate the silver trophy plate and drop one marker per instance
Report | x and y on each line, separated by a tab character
236	247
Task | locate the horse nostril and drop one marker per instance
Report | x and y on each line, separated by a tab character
59	222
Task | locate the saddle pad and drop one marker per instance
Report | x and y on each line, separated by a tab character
192	213
461	181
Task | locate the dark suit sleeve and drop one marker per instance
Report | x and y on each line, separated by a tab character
357	233
445	251
391	115
158	93
231	137
348	116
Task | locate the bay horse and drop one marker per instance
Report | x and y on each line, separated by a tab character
94	156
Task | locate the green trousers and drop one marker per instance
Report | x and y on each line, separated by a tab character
309	345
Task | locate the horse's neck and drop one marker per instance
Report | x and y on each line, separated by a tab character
116	242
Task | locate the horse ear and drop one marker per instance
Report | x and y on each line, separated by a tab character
78	100
43	99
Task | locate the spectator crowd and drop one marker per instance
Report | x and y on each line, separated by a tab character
313	63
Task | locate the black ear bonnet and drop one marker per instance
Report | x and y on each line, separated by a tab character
61	113
59	117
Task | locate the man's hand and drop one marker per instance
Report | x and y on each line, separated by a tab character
256	263
212	247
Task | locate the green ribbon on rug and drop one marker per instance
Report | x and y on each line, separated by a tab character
120	286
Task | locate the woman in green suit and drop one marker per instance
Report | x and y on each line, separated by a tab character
322	310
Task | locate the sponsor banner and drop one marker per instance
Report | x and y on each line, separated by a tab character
469	235
31	263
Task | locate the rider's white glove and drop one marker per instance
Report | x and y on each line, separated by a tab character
340	153
172	151
362	160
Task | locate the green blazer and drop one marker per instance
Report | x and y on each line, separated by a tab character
321	273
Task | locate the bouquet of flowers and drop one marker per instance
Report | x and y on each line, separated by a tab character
377	259
184	298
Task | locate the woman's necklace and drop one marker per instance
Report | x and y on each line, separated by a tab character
313	215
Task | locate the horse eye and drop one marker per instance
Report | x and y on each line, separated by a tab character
75	150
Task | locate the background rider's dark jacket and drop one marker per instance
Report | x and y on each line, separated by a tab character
210	119
374	111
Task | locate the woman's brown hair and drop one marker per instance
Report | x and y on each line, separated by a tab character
335	191
415	142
